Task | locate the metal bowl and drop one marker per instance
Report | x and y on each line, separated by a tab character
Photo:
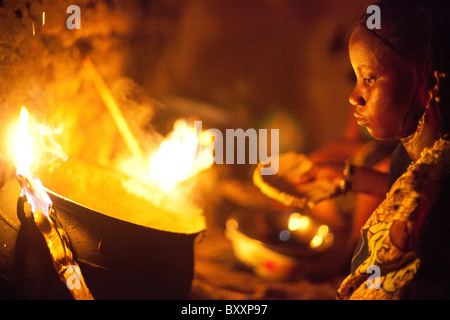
279	245
125	249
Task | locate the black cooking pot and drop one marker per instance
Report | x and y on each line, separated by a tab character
130	241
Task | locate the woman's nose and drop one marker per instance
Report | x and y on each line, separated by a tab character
356	99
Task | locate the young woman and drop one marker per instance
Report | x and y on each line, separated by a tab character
402	92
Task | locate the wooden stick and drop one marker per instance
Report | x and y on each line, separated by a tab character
57	240
113	108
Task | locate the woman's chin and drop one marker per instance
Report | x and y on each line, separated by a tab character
373	133
378	135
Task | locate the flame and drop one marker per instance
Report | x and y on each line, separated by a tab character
23	156
41	205
22	145
23	151
180	156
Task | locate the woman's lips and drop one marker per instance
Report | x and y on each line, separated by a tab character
361	120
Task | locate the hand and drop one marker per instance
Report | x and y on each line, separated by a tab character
324	171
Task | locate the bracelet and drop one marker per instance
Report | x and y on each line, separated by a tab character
345	185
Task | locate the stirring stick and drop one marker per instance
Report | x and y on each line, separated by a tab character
113	107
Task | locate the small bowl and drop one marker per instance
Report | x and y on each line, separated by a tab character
278	245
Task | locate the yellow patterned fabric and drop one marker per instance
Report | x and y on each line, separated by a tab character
389	232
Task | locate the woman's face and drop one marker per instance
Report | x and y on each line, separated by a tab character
383	93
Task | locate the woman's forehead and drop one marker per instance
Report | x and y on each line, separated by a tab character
364	46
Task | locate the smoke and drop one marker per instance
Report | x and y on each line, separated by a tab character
41	64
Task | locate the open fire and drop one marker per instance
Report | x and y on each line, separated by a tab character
155	204
130	207
41	207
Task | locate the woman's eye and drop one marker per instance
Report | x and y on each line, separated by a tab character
369	81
